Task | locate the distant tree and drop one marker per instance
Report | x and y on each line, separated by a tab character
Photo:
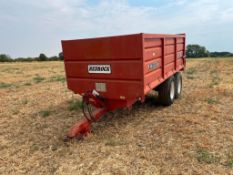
221	54
61	56
196	51
42	57
28	59
5	58
54	58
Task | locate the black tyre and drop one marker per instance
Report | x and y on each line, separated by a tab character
167	92
178	84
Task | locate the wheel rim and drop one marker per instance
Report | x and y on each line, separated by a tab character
172	91
179	86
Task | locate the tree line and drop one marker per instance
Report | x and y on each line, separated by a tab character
197	51
192	51
41	57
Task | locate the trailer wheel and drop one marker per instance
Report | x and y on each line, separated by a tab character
178	84
167	92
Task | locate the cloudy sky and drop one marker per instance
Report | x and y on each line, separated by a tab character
29	27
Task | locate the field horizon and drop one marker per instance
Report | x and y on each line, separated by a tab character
193	136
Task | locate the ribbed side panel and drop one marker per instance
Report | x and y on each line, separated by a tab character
163	56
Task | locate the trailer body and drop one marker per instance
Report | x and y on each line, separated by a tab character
122	69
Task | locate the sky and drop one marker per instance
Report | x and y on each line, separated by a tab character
28	28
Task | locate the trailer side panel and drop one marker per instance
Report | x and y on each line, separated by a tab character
163	56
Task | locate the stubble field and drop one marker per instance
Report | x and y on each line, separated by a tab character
193	136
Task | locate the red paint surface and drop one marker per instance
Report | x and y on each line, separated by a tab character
129	57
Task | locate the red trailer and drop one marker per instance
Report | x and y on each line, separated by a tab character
115	72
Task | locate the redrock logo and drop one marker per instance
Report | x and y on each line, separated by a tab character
99	69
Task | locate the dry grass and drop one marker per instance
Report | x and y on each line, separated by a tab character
193	136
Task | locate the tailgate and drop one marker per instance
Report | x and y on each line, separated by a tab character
111	65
